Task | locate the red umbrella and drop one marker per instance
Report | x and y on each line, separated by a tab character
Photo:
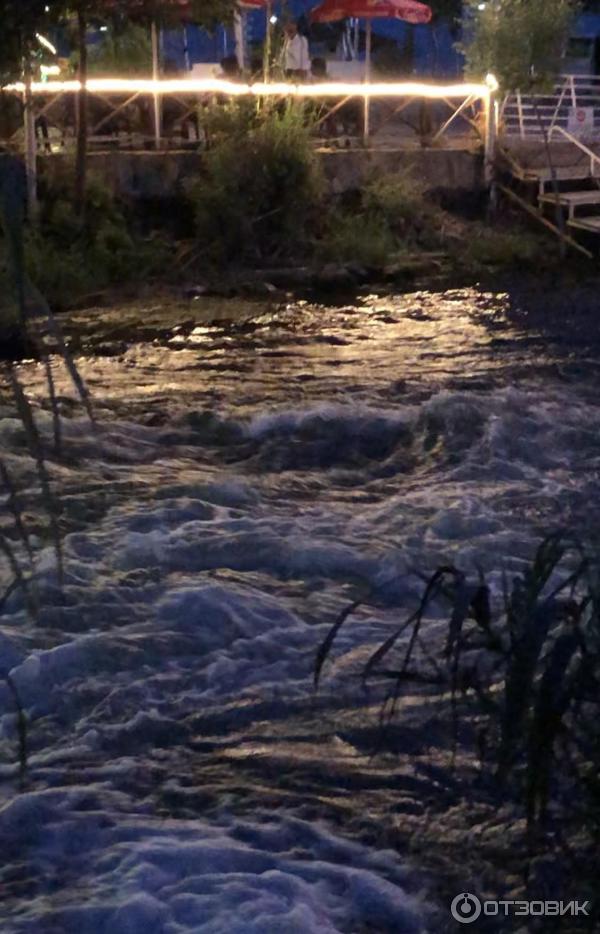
411	11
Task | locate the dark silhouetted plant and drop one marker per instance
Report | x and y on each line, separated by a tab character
22	732
40	330
542	687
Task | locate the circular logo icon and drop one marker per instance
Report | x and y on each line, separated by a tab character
465	908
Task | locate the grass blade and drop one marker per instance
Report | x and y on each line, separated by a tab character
16	508
34	443
21	731
326	645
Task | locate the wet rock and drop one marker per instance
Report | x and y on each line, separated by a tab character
259	289
289	276
14	345
214	429
360	272
334	276
195	291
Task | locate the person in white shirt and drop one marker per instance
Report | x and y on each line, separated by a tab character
296	57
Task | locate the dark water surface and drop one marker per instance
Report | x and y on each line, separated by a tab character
255	468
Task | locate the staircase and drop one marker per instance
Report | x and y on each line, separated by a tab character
578	184
523	115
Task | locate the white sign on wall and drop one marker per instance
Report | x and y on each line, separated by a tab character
581	122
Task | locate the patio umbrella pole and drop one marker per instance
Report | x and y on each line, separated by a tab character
267	55
186	50
155	77
240	39
367	81
30	143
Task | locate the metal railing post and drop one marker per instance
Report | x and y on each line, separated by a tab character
491	138
155	78
367	106
520	111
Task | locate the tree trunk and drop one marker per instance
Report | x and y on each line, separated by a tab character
82	116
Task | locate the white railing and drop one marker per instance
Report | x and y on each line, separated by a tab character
111	99
593	156
522	116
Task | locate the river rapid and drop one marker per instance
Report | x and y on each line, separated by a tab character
256	468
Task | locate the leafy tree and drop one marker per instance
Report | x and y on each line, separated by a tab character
520	41
207	13
21	20
447	9
126	51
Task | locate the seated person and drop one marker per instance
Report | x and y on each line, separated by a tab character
318	70
230	69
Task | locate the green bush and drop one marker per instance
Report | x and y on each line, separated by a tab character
262	188
392	214
370	242
486	247
400	200
69	257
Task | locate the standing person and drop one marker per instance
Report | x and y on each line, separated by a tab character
296	57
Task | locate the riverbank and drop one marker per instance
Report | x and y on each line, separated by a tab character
263	218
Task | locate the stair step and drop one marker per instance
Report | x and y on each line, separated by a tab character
573	198
586	223
563	173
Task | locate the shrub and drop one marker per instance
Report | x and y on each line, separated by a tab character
69	257
485	247
392	214
369	242
400	201
261	190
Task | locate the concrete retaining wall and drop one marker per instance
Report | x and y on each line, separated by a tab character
163	175
448	169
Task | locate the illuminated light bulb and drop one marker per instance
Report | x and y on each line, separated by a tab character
45	42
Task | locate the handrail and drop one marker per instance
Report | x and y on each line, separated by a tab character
594	157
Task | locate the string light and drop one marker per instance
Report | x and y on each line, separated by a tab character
260	89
